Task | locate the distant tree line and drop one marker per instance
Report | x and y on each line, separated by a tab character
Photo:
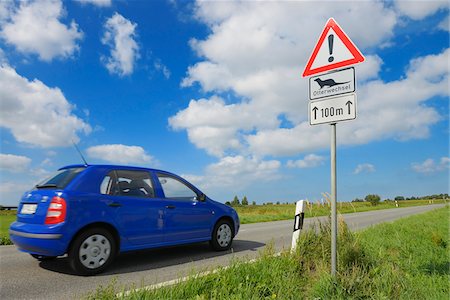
236	202
375	199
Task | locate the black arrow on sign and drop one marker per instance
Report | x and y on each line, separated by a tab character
315	109
349	104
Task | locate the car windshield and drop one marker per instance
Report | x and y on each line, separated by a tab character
59	179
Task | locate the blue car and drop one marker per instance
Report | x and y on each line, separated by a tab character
94	212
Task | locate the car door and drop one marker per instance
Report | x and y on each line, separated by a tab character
137	212
186	217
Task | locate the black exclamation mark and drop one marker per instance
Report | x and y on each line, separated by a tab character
330	47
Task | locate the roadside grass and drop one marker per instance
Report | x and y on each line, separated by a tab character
266	213
405	259
6	218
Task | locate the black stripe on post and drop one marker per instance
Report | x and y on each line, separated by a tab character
298	221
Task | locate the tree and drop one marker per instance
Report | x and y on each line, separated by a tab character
235	201
373	199
245	201
228	203
357	200
253	203
398	198
278	202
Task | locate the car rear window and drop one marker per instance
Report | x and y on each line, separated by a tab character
60	179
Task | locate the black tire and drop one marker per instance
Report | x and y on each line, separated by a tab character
42	257
222	236
92	251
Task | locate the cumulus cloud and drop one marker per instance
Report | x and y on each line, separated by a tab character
255	52
445	24
160	67
36	28
35	113
14	163
364	168
417	10
213	125
121	154
237	172
429	166
119	36
310	161
11	191
101	3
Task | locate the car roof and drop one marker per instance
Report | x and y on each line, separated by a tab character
118	167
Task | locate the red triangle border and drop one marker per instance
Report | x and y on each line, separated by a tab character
357	55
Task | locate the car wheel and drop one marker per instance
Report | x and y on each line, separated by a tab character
42	257
92	251
222	236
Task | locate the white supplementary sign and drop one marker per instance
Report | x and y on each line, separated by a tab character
333	109
332	84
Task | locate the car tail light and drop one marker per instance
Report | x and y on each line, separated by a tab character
56	212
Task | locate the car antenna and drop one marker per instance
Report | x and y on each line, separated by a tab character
81	154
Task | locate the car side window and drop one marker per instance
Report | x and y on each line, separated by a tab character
108	185
175	189
128	183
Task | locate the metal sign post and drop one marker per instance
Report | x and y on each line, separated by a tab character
333	201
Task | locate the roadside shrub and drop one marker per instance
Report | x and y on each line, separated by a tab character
373	199
4	240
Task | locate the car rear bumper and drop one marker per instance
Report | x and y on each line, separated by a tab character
43	242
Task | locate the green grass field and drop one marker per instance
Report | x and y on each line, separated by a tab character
266	213
406	259
6	218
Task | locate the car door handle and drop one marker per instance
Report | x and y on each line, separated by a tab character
170	206
114	204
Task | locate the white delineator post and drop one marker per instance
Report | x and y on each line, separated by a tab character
298	222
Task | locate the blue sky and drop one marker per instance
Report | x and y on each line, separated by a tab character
213	91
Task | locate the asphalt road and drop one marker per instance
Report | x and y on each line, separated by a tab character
23	277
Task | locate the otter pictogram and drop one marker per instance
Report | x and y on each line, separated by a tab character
328	82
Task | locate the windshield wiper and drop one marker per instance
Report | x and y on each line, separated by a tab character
46	185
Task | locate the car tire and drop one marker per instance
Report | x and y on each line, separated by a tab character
92	251
42	257
222	236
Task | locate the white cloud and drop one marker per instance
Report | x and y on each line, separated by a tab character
263	69
364	168
445	24
213	125
237	172
121	154
35	113
159	66
250	67
429	166
14	163
3	59
35	27
6	9
310	161
10	192
124	51
101	3
417	10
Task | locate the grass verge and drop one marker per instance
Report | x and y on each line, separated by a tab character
266	213
6	218
406	259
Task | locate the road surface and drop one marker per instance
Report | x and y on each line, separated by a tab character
23	277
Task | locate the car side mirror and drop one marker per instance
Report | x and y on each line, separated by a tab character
201	197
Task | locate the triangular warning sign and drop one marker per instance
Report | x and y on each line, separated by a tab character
333	50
